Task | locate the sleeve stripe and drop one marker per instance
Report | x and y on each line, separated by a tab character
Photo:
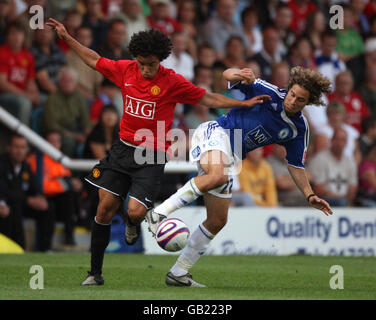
306	134
271	87
295	166
295	153
230	85
306	138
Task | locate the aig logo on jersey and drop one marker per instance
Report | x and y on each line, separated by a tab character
140	108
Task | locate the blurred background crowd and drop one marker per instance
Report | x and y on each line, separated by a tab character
47	87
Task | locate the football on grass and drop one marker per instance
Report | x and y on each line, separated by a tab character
172	234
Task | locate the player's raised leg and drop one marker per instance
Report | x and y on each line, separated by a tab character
100	234
217	211
217	201
212	175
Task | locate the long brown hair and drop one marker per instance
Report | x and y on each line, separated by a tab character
312	81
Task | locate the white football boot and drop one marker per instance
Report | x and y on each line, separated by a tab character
154	219
182	281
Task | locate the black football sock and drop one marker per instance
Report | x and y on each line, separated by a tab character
100	237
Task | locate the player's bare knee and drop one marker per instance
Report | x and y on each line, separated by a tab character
136	212
217	180
222	180
107	207
104	214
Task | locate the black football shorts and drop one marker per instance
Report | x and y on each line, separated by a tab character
120	173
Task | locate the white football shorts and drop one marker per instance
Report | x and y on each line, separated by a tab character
210	136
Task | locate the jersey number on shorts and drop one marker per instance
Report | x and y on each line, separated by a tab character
227	187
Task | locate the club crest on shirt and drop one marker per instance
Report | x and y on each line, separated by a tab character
25	175
283	133
96	173
155	90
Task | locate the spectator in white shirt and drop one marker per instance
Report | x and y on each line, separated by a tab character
221	26
132	15
334	174
179	60
336	113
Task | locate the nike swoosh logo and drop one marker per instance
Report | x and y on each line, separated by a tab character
184	283
128	84
148	200
152	219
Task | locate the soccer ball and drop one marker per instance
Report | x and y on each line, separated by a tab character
172	234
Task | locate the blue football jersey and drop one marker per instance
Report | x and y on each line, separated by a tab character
266	123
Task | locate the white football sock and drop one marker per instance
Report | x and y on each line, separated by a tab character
185	195
196	247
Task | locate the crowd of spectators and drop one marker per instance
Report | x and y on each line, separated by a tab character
48	87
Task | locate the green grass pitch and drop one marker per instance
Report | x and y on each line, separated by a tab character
136	276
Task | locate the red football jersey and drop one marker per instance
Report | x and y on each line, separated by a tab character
168	25
300	15
19	66
356	108
148	104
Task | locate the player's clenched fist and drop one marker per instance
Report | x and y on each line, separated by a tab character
247	76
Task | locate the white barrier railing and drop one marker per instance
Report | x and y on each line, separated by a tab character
74	164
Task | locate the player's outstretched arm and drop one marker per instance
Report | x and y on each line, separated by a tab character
90	57
215	100
234	75
300	178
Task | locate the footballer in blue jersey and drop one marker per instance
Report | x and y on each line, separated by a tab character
216	146
266	124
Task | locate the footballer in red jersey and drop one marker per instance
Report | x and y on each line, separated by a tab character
147	101
150	93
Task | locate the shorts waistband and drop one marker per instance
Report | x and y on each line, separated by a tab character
130	144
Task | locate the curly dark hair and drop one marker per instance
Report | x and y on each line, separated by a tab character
312	81
150	43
